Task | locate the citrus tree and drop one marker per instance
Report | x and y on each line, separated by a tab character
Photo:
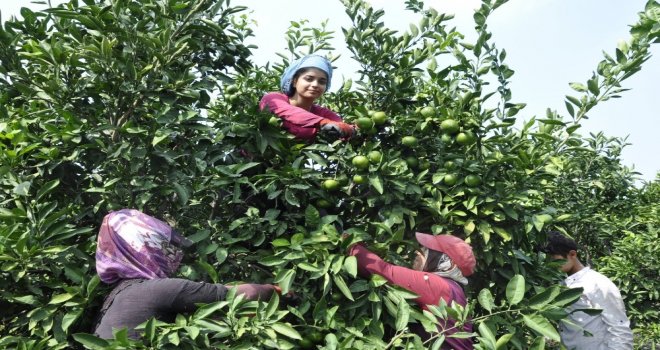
154	105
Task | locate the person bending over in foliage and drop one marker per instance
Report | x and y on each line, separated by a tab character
302	83
439	269
608	330
138	254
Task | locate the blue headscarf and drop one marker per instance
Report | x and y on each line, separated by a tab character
310	61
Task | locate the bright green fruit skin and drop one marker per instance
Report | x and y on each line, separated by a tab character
449	126
360	162
410	141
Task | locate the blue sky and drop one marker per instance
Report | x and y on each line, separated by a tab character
549	43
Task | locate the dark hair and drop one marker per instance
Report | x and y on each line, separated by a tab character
299	72
558	244
432	260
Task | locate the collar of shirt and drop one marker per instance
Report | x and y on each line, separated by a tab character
577	276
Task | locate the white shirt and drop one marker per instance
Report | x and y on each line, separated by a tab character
610	329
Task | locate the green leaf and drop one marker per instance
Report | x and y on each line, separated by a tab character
339	282
402	314
286	330
377	280
221	255
26	299
590	312
158	138
22	189
60	298
181	192
486	332
541	325
312	216
350	266
538	344
291	198
69	319
331	342
375	181
502	341
91	342
308	267
468	227
578	87
515	289
568	297
570	109
592	84
486	300
192	331
92	284
285	278
545	297
214	326
574	101
208	309
504	234
47	188
150	330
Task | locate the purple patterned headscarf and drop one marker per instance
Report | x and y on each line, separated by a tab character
132	244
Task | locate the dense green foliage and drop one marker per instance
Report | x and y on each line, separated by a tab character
154	105
634	263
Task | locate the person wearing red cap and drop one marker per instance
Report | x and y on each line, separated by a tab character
301	84
439	269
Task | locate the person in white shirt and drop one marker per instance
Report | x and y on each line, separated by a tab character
608	330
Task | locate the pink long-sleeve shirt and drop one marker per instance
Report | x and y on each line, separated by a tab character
301	123
429	287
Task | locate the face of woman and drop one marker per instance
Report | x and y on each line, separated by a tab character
311	83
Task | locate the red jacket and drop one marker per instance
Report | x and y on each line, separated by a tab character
429	287
301	123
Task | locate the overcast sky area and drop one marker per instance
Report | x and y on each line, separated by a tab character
549	43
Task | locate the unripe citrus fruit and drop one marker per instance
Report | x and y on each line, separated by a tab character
424	164
465	138
427	111
364	123
306	343
360	162
323	203
274	121
449	165
315	336
359	179
232	98
410	141
412	162
331	185
450	126
450	179
379	118
239	128
375	156
472	180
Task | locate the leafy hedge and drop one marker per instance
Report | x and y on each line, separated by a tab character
153	105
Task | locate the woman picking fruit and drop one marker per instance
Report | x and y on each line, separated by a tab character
138	254
302	83
438	271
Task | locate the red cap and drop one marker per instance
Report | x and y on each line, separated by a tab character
456	248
